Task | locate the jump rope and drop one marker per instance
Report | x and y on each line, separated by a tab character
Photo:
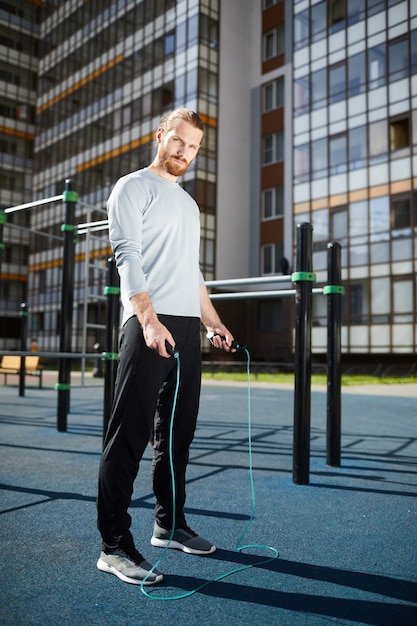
239	546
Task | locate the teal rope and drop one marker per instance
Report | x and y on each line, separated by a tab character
239	547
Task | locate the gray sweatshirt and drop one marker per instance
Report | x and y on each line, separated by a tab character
154	228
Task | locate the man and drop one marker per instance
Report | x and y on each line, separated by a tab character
155	235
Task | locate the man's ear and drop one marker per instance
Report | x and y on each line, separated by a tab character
158	135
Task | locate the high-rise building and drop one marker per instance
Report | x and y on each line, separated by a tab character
354	138
310	115
19	43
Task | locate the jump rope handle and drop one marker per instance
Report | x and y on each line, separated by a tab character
172	351
236	345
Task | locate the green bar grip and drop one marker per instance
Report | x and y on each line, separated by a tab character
111	291
69	196
109	356
334	289
298	277
62	387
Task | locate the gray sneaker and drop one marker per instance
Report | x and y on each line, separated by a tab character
183	539
129	565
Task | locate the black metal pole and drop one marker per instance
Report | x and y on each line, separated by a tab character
2	246
112	291
303	279
23	346
67	300
334	292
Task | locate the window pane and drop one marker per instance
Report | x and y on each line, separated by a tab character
399	134
356	11
268	97
318	89
403	296
339	225
279	92
318	21
357	147
279	200
337	154
356	74
267	203
268	150
401	216
279	146
301	95
319	158
337	14
378	139
280	39
379	218
267	259
302	162
337	83
413	44
377	66
320	222
301	22
398	60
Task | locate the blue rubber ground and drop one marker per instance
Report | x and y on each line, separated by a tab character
347	541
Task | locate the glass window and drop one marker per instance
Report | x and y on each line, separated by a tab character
301	95
356	302
274	42
374	6
301	23
413	46
399	134
357	147
379	218
377	66
337	15
273	148
356	74
355	11
378	139
337	83
273	95
402	291
318	89
400	213
319	161
271	258
337	148
320	223
358	232
273	202
302	162
398	60
318	21
339	225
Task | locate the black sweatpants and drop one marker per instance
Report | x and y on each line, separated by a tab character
143	399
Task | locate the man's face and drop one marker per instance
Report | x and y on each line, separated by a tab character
178	147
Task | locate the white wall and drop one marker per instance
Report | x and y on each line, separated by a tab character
240	65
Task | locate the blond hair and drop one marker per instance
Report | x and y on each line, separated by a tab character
187	115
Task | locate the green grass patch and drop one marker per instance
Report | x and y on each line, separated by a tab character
316	379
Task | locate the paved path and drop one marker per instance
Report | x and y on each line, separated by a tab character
347	541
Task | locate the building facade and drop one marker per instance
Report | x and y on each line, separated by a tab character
19	45
355	176
310	115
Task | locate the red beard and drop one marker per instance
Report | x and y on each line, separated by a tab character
170	165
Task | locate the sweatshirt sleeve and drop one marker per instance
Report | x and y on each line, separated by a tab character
125	208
